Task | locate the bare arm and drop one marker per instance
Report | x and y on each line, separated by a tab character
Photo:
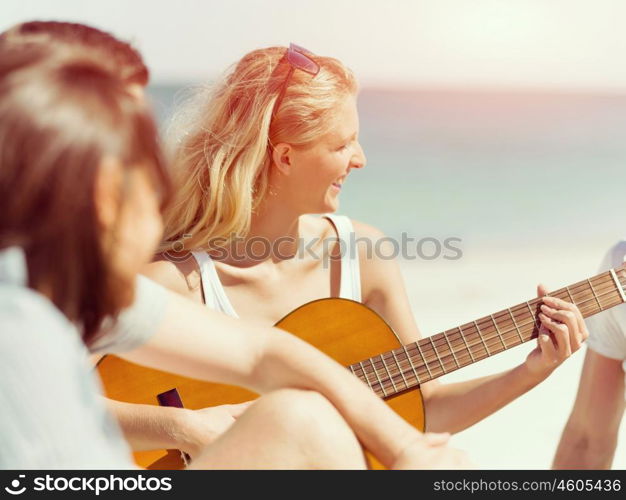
590	435
148	427
452	407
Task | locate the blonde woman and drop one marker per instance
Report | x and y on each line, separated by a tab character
82	185
267	148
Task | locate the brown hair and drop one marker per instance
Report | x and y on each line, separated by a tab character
126	61
61	114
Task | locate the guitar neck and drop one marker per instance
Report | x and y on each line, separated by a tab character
413	364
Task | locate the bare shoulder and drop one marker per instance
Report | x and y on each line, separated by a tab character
375	248
382	285
181	275
364	230
377	258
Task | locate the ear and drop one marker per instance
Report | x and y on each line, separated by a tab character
283	158
107	192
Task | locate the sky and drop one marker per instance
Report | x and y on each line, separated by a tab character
548	44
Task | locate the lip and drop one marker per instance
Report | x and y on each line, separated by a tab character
336	186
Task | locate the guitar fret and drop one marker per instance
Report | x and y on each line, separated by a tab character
382	387
406	383
388	373
367	379
618	286
443	368
493	320
424	359
452	351
482	339
466	344
594	294
515	324
362	378
408	356
569	294
533	316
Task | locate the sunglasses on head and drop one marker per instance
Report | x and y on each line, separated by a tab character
298	58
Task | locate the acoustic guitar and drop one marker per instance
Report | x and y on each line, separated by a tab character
358	338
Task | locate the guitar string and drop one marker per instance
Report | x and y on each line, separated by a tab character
500	337
463	352
604	278
422	377
454	332
492	321
506	335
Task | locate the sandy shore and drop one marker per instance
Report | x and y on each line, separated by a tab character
444	294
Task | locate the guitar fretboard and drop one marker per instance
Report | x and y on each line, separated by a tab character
411	365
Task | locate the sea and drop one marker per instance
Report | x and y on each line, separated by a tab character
494	168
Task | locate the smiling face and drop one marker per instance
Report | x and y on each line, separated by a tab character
314	176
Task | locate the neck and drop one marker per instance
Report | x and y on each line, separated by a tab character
274	233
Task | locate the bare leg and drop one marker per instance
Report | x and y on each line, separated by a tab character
286	429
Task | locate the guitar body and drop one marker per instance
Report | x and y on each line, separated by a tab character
345	330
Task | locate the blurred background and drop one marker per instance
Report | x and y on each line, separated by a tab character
499	123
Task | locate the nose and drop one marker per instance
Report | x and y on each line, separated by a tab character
358	158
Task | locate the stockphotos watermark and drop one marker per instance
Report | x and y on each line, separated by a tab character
240	249
92	484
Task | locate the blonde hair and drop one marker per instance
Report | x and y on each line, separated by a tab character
222	158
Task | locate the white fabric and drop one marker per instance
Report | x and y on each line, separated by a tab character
350	286
52	416
350	280
607	330
214	293
136	324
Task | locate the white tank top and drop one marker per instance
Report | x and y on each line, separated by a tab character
350	280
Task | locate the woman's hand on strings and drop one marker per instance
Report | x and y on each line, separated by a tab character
561	334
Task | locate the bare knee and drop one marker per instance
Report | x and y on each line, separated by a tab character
308	419
297	410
